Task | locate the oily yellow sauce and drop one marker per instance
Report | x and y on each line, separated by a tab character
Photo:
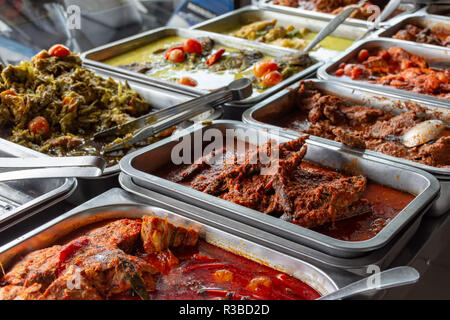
207	80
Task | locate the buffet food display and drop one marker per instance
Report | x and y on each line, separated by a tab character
356	159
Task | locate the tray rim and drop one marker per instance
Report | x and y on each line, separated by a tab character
164	186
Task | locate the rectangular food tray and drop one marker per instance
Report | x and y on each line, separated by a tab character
407	7
432	54
158	99
230	21
426	21
140	165
117	203
95	57
342	270
282	102
24	198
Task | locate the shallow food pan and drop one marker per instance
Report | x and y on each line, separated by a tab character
342	270
407	8
230	22
95	57
158	99
117	203
441	10
432	54
141	164
424	21
281	103
24	198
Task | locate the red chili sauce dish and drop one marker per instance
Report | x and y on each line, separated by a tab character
345	207
147	258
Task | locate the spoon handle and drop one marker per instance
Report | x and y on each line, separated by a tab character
330	27
390	278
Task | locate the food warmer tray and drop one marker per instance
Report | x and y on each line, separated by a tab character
432	54
227	22
283	101
95	57
339	268
408	8
23	198
140	164
117	203
428	21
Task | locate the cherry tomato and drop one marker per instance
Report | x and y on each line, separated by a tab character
271	78
342	65
58	50
215	57
263	67
356	72
39	125
384	54
363	55
192	46
187	81
175	55
339	72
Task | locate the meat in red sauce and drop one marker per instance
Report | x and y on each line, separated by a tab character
146	258
398	68
332	117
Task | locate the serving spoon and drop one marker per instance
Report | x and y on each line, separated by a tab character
422	133
394	277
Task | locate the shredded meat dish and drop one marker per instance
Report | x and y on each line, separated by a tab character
147	258
400	69
287	188
436	36
332	117
334	6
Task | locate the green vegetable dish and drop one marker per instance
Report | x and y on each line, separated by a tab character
53	105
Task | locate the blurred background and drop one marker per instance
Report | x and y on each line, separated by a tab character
28	26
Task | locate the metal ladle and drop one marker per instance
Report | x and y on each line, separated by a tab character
388	279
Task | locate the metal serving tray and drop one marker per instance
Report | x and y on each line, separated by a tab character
140	165
158	98
426	21
407	7
282	102
432	54
95	57
342	270
441	10
117	203
22	199
228	22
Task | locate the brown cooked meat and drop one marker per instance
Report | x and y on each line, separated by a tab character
280	187
332	117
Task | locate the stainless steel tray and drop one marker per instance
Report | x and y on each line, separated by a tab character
426	21
228	22
283	101
95	57
117	203
407	7
140	165
441	10
158	98
432	54
343	270
22	199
